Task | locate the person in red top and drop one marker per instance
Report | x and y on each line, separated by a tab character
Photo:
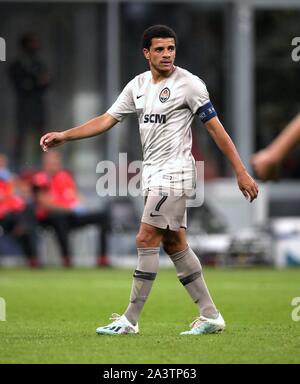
16	216
59	206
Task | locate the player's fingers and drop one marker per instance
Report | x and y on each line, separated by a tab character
253	193
48	139
245	193
254	189
249	193
43	138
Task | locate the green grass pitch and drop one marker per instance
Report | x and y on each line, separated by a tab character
52	314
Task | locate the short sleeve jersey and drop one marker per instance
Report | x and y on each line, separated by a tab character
165	111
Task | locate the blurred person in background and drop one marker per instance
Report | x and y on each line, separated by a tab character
166	100
5	173
59	206
266	162
30	79
17	218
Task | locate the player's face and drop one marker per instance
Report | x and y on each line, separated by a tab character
161	54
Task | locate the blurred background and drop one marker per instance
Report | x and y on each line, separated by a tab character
67	61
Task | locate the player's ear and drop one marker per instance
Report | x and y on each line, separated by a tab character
146	53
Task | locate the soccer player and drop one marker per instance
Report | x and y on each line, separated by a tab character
166	99
266	162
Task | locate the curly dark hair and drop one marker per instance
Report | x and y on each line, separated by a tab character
157	31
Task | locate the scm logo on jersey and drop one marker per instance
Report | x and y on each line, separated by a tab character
155	118
164	95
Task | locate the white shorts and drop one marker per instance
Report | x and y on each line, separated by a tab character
165	209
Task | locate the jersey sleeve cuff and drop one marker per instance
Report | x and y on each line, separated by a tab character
115	115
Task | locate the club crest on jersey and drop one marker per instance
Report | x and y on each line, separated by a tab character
164	95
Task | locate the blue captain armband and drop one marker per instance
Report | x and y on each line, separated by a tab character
206	112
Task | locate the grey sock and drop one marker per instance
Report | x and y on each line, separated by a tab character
189	272
143	278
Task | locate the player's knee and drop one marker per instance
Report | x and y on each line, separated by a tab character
146	239
143	239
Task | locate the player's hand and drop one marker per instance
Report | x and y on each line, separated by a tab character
247	185
51	140
265	166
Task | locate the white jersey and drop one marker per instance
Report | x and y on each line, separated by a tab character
165	111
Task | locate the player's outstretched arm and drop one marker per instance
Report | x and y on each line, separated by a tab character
91	128
267	161
247	185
